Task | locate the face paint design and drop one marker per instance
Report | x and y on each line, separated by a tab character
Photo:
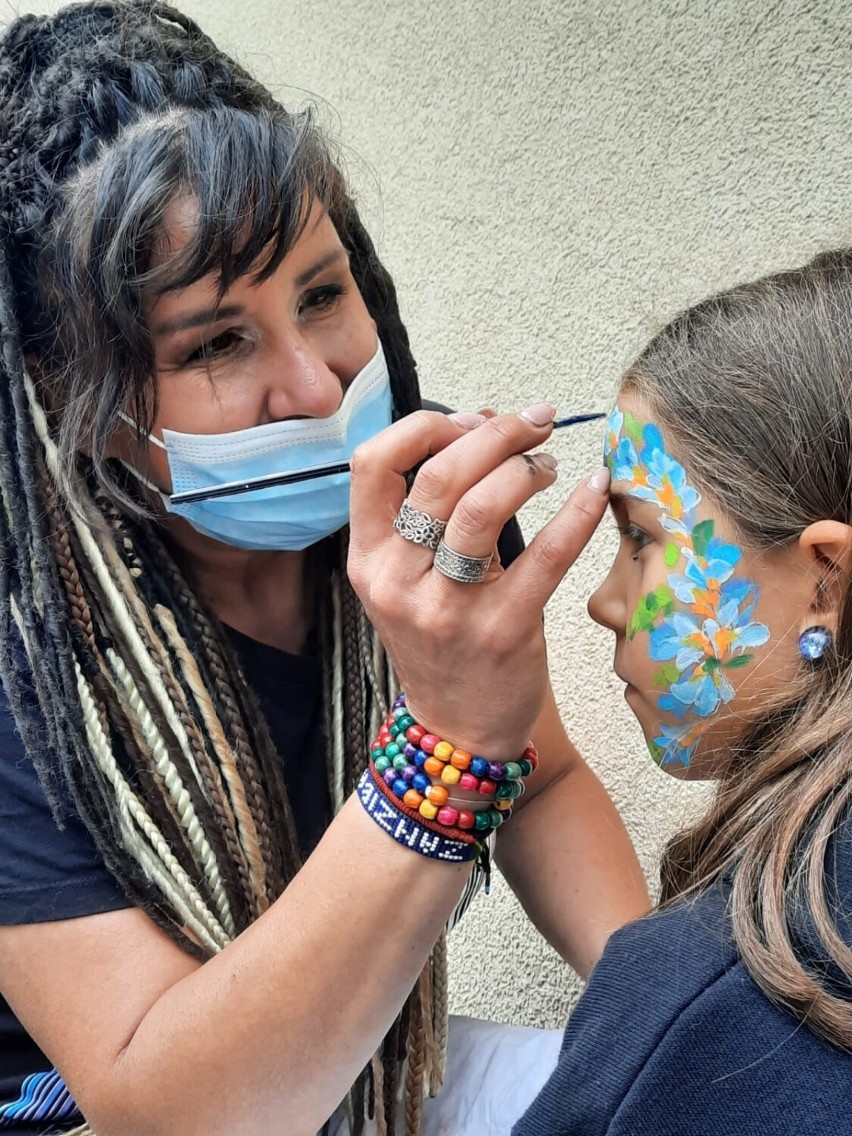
700	622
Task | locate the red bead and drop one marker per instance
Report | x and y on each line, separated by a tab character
469	782
466	819
428	743
531	754
415	733
487	787
447	816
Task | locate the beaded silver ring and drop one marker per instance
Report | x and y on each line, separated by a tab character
419	527
464	569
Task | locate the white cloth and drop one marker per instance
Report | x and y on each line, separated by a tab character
493	1073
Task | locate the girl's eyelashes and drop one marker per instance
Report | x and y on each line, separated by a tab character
635	536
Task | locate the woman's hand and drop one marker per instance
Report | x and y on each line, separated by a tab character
471	657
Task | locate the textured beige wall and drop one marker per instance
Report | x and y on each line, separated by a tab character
548	181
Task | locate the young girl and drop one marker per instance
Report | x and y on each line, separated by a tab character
203	928
729	1010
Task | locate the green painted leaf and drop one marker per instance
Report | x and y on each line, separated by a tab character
710	664
738	661
665	599
657	752
671	555
701	536
633	428
667	675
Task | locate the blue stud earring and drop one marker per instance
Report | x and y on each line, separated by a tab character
814	642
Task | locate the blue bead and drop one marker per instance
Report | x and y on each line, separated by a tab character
420	759
400	787
814	642
421	782
479	767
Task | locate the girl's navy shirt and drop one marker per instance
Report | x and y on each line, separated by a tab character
673	1038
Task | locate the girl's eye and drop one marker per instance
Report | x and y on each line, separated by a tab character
211	349
322	299
634	536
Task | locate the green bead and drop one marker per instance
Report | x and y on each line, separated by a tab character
525	767
400	762
400	712
395	731
392	750
482	822
513	770
495	817
377	752
405	722
505	791
383	764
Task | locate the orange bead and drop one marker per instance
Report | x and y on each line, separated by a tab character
413	799
433	767
437	794
450	775
461	759
443	751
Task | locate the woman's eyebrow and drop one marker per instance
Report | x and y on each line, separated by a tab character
201	318
332	257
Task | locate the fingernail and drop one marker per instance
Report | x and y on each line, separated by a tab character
467	420
487	411
540	414
547	460
599	481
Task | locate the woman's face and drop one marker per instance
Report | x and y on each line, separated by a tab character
706	629
284	348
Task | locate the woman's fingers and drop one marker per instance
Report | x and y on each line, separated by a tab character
535	575
380	465
443	481
482	512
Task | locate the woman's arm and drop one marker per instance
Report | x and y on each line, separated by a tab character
567	854
279	1024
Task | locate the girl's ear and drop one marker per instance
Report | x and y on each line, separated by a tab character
827	545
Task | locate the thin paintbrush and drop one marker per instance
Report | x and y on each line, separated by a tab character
232	488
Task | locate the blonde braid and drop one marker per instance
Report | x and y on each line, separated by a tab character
166	872
247	854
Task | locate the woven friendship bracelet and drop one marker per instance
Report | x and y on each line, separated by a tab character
410	833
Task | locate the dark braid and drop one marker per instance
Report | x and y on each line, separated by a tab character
124	688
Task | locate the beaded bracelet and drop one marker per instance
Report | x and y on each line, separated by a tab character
407	757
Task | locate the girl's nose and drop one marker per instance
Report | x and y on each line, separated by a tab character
606	605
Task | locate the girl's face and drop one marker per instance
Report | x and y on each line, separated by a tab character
706	630
284	348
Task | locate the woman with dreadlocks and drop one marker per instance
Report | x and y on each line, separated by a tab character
221	911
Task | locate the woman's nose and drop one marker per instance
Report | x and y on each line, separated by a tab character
301	384
606	605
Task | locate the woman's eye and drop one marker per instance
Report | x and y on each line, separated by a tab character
214	348
323	298
635	536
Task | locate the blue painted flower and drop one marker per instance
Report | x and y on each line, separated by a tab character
680	637
677	745
705	573
703	692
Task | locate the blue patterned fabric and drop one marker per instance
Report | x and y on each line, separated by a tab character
43	1097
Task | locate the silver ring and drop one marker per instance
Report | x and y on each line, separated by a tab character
419	527
465	569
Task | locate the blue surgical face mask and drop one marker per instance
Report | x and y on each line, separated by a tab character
287	517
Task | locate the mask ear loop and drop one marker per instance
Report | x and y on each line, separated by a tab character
149	485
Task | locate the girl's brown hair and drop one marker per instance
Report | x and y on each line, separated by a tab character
754	388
